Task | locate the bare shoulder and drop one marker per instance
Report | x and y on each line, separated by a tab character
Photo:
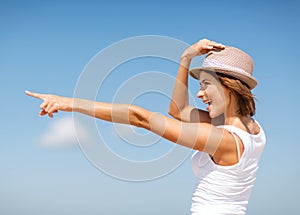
255	128
227	152
252	127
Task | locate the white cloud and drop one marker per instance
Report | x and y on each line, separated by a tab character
61	133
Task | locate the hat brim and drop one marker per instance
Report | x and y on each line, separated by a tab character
249	80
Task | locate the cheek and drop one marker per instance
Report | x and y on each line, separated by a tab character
218	95
220	101
221	98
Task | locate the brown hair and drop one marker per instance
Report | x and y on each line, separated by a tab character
241	91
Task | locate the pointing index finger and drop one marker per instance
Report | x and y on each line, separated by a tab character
35	95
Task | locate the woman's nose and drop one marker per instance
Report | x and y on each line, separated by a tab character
201	93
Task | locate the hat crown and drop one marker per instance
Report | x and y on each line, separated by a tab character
229	61
230	57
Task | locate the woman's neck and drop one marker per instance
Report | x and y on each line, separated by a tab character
245	123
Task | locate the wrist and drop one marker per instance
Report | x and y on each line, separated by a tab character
75	105
186	57
189	53
185	61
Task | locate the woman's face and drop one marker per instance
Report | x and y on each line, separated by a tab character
213	94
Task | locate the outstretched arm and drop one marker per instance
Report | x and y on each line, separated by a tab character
119	113
179	104
199	136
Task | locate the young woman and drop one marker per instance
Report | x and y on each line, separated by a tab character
227	140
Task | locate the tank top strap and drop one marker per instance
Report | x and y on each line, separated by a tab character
236	134
237	144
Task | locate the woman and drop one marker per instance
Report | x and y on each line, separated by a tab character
228	142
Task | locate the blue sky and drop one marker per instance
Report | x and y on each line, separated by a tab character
45	46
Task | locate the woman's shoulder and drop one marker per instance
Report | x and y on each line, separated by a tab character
252	128
255	133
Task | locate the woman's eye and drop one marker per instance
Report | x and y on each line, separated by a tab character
203	87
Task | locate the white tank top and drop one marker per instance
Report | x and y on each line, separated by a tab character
226	189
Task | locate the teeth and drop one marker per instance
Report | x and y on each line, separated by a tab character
208	102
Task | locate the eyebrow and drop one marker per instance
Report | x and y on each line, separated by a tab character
204	80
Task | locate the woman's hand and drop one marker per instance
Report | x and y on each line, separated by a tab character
201	47
52	103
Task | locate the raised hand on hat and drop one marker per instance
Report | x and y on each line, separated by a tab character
201	47
179	104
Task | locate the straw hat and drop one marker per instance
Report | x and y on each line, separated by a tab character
229	61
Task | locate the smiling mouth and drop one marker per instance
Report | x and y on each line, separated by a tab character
209	102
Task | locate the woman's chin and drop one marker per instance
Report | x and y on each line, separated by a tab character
214	115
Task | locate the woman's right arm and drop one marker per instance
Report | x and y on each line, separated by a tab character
179	105
199	136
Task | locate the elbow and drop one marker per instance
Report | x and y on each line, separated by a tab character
174	113
171	112
139	117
